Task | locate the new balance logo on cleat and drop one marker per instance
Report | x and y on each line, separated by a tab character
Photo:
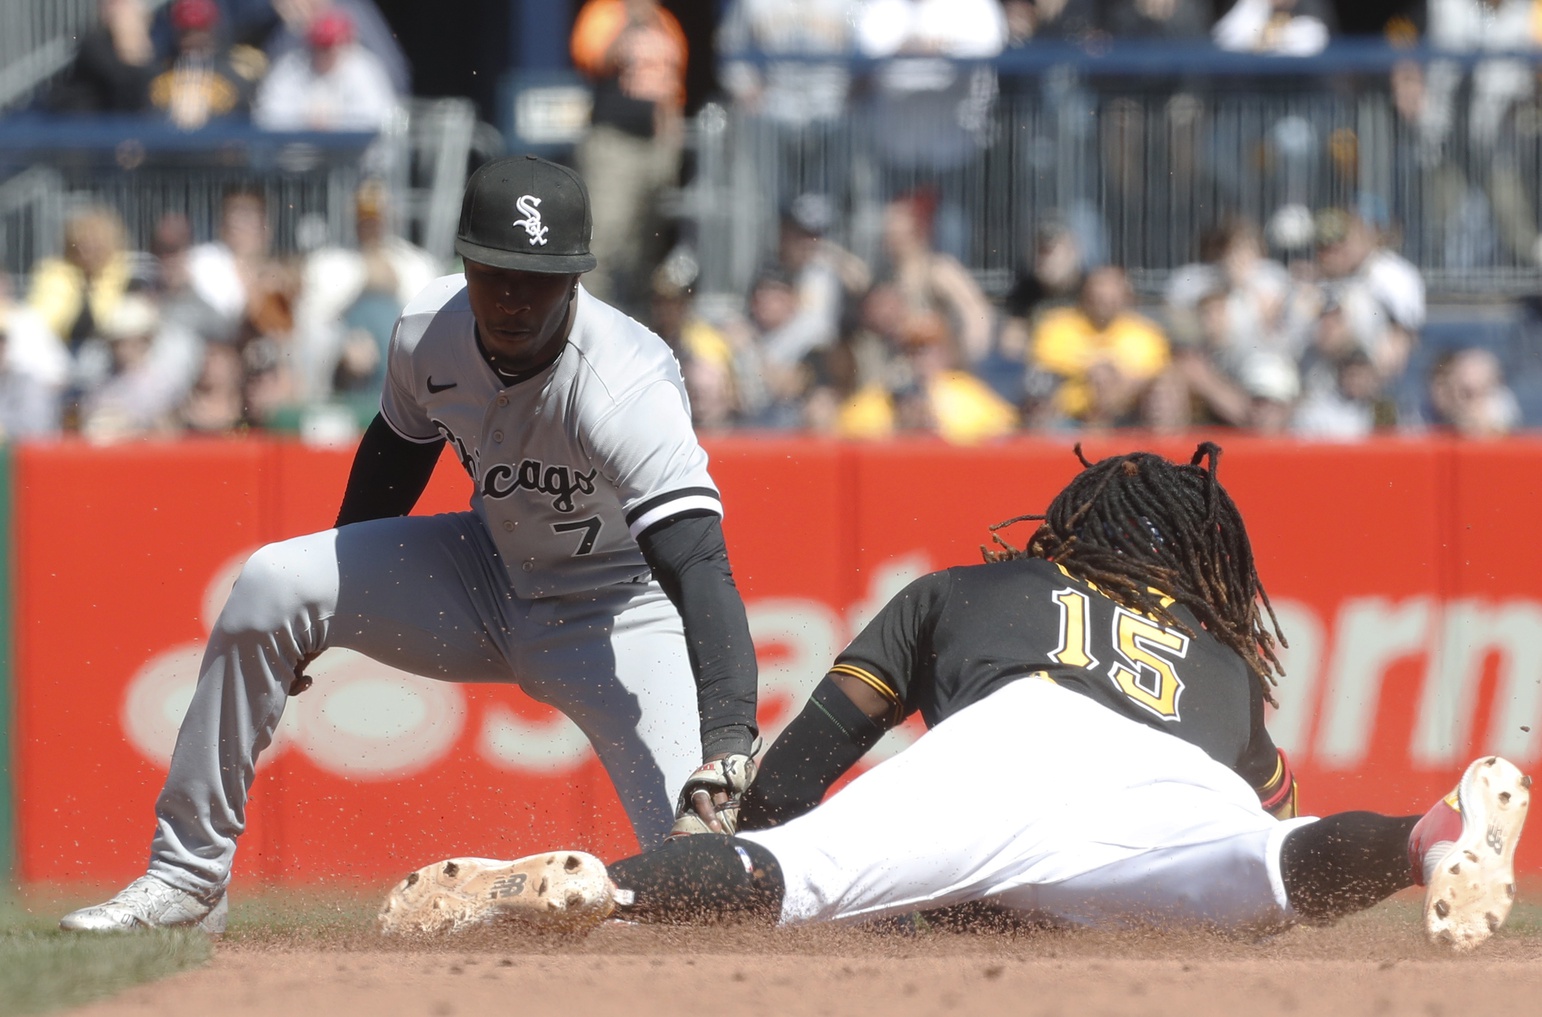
1496	838
511	886
1466	854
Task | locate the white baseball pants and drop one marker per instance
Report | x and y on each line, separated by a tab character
1041	800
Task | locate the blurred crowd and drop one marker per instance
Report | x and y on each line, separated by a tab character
207	337
1322	349
908	341
222	333
284	65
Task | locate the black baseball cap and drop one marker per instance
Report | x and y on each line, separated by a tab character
525	213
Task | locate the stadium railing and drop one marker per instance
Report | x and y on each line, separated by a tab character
144	168
38	40
1142	146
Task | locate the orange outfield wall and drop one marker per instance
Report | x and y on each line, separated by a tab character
1405	573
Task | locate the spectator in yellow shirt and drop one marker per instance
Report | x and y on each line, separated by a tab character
938	397
75	292
1105	354
952	402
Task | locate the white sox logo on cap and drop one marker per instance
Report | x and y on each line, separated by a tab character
531	223
527	214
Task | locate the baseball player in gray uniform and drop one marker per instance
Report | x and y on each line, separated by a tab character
590	568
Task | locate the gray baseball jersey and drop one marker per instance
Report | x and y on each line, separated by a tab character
569	466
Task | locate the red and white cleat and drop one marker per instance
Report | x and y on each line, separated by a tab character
1463	853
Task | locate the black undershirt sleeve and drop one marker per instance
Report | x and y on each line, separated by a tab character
689	559
1262	764
388	476
823	741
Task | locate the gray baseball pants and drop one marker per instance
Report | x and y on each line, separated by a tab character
428	595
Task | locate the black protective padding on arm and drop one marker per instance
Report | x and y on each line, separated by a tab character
823	741
1261	763
690	561
388	476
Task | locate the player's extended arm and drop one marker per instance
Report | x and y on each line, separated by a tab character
1265	766
842	720
388	476
690	561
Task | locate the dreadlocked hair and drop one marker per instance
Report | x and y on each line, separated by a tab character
1143	529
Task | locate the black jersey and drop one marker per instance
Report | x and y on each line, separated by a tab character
952	638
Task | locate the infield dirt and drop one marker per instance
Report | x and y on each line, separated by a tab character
1374	964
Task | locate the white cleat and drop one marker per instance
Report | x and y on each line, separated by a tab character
149	903
563	891
1470	886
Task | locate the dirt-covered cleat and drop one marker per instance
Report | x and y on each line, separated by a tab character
149	903
1463	853
562	891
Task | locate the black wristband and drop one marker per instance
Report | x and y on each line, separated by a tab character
823	741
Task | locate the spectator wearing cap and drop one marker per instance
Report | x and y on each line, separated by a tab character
776	387
205	78
1343	396
333	84
1379	293
282	26
350	295
821	275
721	376
1273	385
154	366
